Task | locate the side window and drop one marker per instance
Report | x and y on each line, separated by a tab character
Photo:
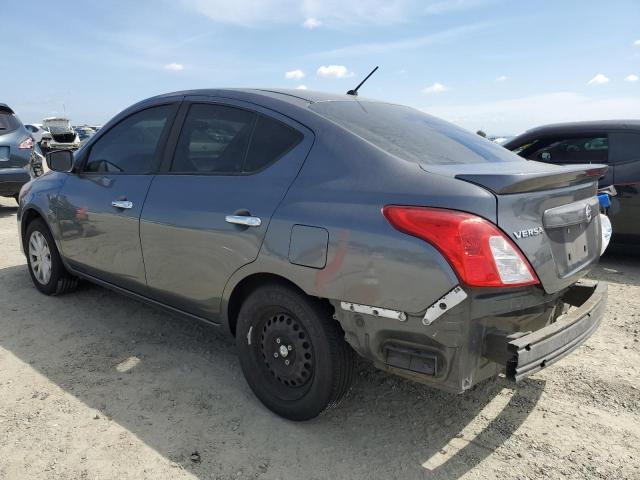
214	139
270	141
130	146
583	149
625	147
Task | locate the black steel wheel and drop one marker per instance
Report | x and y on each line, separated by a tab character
292	352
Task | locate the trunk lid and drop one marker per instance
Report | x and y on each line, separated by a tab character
550	212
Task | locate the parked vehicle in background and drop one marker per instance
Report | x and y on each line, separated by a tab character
312	225
18	162
37	132
613	142
84	134
63	137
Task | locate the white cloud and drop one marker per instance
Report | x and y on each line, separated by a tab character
502	78
174	67
301	87
435	88
631	78
515	115
334	71
637	43
599	79
311	23
294	75
404	44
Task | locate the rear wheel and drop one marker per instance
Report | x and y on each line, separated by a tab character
45	265
292	352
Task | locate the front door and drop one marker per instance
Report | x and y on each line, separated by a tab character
99	206
207	215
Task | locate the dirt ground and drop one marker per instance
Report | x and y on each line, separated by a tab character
96	386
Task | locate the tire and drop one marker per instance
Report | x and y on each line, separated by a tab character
41	251
277	324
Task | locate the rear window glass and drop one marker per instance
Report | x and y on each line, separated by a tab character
413	135
8	123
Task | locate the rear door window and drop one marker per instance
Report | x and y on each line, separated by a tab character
214	139
563	150
625	147
224	140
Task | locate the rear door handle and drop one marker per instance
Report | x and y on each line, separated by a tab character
124	204
245	220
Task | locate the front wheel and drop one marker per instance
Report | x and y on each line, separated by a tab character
292	352
45	265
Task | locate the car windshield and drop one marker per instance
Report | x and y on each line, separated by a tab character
413	135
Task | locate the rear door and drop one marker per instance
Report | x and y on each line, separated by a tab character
206	214
99	206
625	206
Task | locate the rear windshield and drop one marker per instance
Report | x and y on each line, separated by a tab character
8	123
413	135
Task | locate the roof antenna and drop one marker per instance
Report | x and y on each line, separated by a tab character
354	92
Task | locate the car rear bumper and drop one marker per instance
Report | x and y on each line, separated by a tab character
12	180
523	353
515	331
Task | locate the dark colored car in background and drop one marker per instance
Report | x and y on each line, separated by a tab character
615	143
18	162
311	226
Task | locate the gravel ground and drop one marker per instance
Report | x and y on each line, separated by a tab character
95	386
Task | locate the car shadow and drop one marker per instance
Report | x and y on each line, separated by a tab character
7	210
619	265
177	386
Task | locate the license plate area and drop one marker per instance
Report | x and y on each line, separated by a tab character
573	246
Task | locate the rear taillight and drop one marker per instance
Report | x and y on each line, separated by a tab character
479	252
25	144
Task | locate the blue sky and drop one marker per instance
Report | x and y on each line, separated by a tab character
502	66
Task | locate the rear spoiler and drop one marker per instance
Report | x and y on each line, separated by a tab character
4	108
505	183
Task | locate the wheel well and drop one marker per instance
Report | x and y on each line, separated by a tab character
248	285
27	217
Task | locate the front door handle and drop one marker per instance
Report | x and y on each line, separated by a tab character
124	204
246	220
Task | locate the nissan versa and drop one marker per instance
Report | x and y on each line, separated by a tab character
314	226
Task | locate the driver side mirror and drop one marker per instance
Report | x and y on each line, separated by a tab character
60	160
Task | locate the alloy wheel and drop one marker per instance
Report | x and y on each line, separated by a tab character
40	257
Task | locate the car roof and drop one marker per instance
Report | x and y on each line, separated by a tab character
293	96
573	128
576	127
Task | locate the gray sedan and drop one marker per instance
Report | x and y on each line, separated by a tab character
313	227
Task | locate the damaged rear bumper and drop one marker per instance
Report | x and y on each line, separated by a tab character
525	353
515	331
